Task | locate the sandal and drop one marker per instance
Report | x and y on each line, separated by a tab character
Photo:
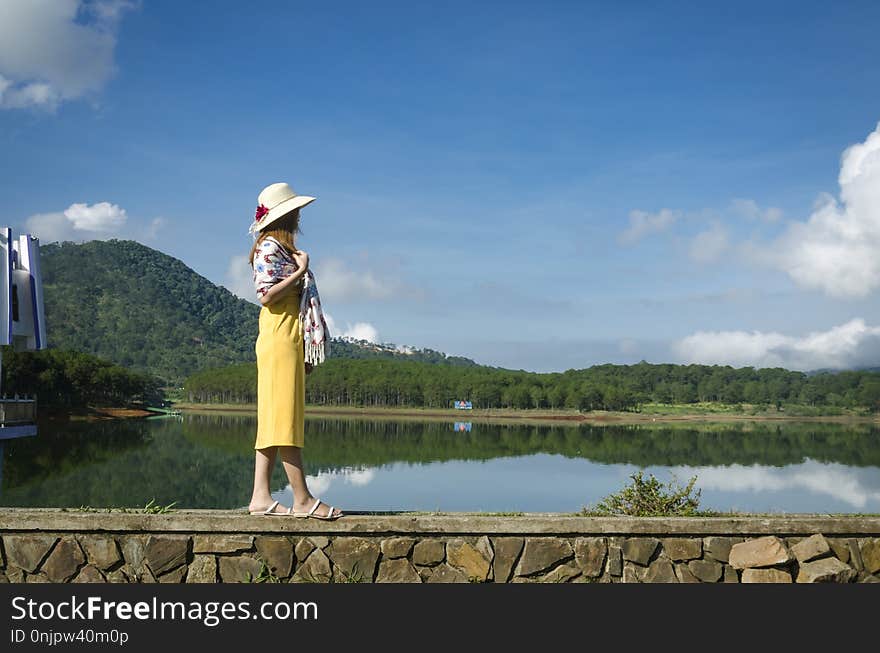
311	513
270	511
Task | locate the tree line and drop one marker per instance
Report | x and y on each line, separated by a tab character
602	387
64	379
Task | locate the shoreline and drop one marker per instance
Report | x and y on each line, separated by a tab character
551	416
594	417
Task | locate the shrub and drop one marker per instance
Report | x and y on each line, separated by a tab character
648	497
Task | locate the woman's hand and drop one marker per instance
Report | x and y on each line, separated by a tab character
302	258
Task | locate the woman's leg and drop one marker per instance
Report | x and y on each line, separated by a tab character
291	458
262	496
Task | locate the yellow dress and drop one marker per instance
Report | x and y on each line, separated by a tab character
281	376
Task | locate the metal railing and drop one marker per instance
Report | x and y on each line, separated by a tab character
17	410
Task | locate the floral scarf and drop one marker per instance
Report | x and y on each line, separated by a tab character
272	263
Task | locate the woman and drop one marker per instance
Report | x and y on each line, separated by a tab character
279	268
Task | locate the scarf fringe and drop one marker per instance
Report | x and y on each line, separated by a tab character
311	313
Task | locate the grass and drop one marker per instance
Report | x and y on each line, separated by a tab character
265	575
151	508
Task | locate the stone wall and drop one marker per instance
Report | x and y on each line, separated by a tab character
222	546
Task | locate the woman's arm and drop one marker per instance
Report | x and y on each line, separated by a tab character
282	287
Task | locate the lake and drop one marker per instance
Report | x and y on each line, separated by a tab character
205	460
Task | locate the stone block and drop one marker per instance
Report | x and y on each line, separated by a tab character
825	570
870	553
277	553
766	576
122	575
36	578
238	569
682	548
811	548
443	573
855	555
759	552
614	564
133	550
639	549
542	553
304	548
632	573
708	571
507	550
473	562
589	555
353	558
222	543
64	560
166	552
174	576
320	541
660	571
562	574
202	569
684	574
315	569
397	547
730	575
15	575
718	548
398	570
146	576
840	547
429	552
89	574
101	550
27	551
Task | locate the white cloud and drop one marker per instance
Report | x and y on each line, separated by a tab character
837	249
100	217
56	50
240	278
337	282
853	344
356	331
750	209
81	222
642	223
709	245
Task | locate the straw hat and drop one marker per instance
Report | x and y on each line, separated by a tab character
274	202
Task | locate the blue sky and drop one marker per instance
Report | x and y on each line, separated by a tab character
541	186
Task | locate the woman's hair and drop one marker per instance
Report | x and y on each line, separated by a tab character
284	230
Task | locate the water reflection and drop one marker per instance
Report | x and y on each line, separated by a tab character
855	488
206	461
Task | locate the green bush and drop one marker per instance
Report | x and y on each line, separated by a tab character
648	497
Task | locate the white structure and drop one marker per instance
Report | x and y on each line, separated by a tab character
22	322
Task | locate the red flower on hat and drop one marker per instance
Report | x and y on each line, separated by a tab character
261	211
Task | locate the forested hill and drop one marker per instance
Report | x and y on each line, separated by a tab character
145	310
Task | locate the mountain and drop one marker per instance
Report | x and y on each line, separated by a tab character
145	310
